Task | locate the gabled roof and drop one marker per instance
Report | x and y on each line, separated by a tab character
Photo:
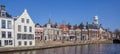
24	15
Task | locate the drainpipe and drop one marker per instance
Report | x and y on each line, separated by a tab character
14	31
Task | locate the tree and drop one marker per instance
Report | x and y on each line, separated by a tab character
69	26
81	26
87	27
117	33
55	25
45	25
75	27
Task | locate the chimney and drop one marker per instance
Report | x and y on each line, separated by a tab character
25	10
3	7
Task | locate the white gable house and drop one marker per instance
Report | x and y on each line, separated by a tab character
24	30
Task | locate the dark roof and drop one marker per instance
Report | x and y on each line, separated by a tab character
94	26
6	15
37	25
15	18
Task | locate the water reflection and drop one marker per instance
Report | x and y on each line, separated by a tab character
82	49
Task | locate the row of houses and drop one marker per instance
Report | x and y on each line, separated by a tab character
53	32
21	30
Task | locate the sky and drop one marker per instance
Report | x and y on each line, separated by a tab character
68	11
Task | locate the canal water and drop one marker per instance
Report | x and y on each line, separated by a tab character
82	49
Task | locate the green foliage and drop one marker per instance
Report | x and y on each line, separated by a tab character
117	32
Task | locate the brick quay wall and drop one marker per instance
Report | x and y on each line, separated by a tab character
52	44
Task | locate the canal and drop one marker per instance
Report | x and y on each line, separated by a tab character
82	49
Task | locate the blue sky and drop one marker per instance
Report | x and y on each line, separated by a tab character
73	11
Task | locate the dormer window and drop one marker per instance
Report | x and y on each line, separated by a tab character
22	20
3	14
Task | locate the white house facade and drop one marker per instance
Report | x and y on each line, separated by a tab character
51	32
6	29
24	30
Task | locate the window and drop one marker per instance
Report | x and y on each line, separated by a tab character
24	36
25	28
30	29
25	43
19	28
19	43
6	42
9	35
57	32
27	20
22	20
3	24
30	42
3	34
9	24
19	36
31	36
10	42
3	13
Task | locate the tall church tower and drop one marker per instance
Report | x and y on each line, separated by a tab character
95	20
